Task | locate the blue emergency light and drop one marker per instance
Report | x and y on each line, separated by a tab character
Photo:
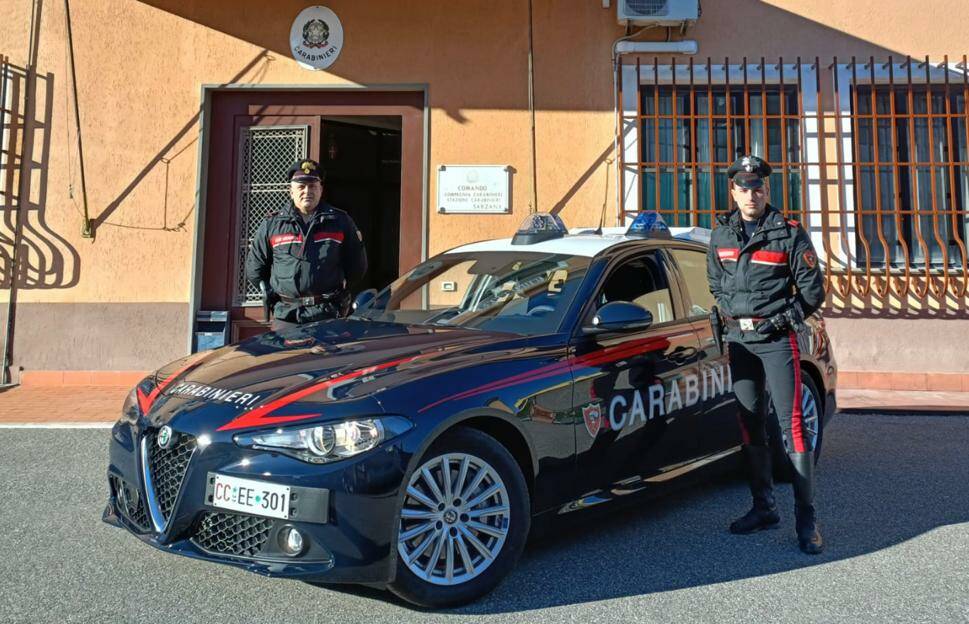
538	227
649	224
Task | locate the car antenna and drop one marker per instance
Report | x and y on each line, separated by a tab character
605	200
602	220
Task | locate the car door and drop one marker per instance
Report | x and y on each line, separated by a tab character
717	428
635	393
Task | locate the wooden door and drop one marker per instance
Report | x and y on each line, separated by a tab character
254	137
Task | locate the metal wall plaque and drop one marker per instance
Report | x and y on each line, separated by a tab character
316	37
474	189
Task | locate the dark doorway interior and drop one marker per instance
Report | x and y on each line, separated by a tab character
361	156
372	145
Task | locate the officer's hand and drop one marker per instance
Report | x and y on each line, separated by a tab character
772	325
790	318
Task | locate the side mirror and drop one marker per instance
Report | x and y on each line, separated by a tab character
364	298
620	316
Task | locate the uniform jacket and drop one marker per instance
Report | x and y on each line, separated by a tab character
299	260
776	267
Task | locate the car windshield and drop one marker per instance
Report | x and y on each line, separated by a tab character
518	292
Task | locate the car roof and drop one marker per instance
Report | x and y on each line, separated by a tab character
582	241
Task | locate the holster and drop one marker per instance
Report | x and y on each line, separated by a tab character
269	299
716	323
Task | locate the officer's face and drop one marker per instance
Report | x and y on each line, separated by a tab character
751	202
306	195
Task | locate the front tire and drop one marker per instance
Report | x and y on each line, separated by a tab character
463	523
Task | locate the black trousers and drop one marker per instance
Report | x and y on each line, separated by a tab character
772	365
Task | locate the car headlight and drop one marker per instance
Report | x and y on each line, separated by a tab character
328	442
130	410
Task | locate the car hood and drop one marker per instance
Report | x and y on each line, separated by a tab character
323	371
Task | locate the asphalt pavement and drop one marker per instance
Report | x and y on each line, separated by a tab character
893	500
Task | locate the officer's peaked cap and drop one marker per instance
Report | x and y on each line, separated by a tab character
749	171
305	170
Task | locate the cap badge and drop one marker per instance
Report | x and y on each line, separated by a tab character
747	165
307	166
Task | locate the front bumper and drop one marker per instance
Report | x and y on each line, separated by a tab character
348	541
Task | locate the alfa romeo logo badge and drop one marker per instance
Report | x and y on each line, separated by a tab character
165	437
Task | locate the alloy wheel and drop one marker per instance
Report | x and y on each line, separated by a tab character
454	520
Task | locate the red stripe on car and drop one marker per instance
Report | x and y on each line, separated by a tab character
593	358
797	416
261	416
145	401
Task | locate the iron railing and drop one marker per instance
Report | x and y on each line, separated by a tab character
872	156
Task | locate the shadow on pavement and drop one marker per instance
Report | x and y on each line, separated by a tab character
878	486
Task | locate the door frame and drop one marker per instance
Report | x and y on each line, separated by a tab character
393	99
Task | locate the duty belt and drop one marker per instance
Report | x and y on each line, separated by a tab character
745	324
309	300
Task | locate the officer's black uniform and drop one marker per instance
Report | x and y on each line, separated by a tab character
766	279
308	265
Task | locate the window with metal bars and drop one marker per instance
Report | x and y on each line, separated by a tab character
912	167
689	135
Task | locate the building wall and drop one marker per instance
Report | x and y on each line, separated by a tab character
139	94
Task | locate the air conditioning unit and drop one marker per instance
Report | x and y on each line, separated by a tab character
658	12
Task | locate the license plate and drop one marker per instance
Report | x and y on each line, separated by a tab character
260	498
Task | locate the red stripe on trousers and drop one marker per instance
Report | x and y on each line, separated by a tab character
744	434
797	417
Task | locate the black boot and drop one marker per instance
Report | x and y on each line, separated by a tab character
763	514
808	537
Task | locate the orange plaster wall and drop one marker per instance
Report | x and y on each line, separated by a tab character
141	65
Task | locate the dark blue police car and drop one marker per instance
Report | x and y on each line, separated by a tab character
414	444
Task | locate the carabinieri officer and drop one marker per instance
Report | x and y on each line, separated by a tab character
307	255
764	274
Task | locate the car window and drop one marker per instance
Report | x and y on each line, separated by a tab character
640	280
519	292
693	267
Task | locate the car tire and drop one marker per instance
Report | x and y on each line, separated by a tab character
813	406
476	463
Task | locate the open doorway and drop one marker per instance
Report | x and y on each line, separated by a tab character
361	156
371	145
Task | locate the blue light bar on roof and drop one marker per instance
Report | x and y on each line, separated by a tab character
538	227
648	224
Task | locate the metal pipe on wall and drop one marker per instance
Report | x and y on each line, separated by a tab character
23	193
86	230
531	109
4	375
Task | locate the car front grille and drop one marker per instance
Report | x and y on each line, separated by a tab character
129	502
232	534
167	468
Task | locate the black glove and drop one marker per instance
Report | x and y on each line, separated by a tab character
791	318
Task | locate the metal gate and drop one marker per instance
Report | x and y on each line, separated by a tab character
265	152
